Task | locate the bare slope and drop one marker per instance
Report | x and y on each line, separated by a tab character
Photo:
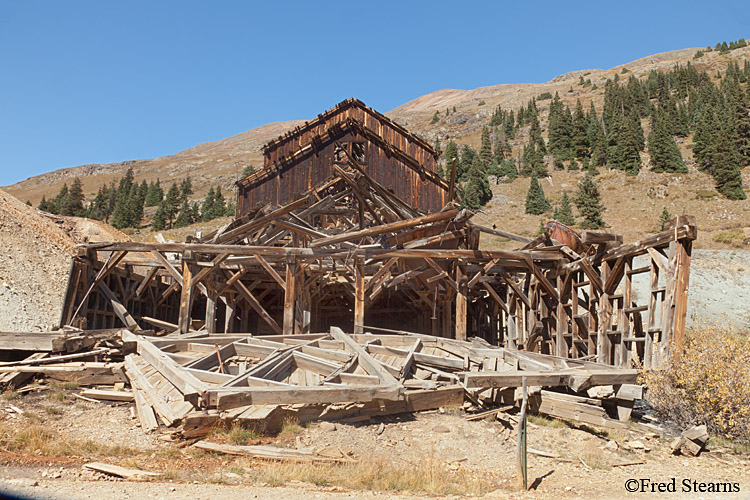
34	267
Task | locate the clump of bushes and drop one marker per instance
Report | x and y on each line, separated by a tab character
707	382
733	237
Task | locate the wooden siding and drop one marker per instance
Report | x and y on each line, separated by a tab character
281	181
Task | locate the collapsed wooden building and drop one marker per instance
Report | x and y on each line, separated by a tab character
348	228
375	240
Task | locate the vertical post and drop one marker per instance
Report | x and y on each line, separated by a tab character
668	306
460	304
211	313
186	295
682	282
452	185
229	314
574	333
521	439
289	293
605	321
447	318
359	296
562	321
626	347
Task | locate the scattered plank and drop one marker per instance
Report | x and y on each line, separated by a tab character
108	395
116	470
274	453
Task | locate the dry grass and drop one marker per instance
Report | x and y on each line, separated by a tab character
241	436
593	457
378	473
38	440
289	428
10	394
555	423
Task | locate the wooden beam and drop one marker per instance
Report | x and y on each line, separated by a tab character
290	289
366	361
186	297
250	298
461	306
385	228
359	296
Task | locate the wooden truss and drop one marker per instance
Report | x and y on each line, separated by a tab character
350	254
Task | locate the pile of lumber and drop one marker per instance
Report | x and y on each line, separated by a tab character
89	358
185	384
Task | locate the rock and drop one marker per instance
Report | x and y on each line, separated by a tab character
381	428
634	445
691	442
611	446
231	475
697	434
441	428
327	426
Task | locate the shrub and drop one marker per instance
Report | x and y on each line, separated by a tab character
733	237
705	194
544	96
707	382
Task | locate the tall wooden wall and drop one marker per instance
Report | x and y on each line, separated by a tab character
282	179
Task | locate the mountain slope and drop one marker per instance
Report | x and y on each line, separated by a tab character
221	162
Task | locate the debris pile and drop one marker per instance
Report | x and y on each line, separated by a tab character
184	385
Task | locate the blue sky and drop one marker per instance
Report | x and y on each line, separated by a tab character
99	81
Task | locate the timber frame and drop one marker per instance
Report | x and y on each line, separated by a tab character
350	254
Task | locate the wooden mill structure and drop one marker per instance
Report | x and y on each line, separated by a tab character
348	225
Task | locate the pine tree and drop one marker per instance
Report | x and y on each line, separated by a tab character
171	204
43	205
207	209
580	135
154	195
159	222
476	191
186	188
742	126
703	138
724	167
248	170
599	154
508	169
451	155
565	212
28	203
57	202
72	204
560	131
664	218
536	202
535	133
588	201
99	207
485	151
665	155
467	159
186	215
494	169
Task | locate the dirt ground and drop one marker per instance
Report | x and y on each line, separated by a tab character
424	454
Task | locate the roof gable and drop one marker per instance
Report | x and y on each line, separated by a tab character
325	116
